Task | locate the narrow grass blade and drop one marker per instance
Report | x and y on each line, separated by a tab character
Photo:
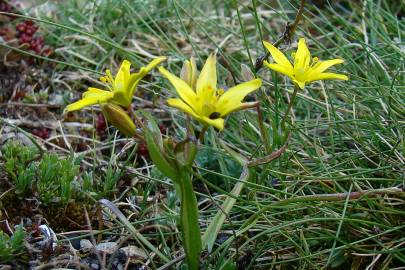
215	226
131	228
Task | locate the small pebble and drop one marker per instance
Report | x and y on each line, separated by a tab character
86	245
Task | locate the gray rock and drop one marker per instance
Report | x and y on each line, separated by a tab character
107	247
86	245
134	252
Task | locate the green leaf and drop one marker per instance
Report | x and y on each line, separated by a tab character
189	221
216	224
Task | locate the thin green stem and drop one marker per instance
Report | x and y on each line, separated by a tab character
262	128
244	38
290	104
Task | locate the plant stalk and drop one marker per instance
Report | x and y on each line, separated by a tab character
189	221
290	104
263	131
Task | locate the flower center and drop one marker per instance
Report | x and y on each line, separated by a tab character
208	100
300	74
214	115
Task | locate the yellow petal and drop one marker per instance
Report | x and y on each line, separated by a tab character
95	92
90	97
182	88
122	78
85	102
121	85
324	65
218	123
280	68
278	56
300	84
327	76
179	104
232	99
153	64
208	75
124	97
302	56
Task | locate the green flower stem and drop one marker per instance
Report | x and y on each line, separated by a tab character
292	100
189	221
263	130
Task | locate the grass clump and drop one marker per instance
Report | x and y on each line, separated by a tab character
54	184
55	180
12	246
48	177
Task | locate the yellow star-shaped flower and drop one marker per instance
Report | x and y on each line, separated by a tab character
305	68
120	89
204	101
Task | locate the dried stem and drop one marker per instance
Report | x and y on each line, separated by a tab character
270	157
286	36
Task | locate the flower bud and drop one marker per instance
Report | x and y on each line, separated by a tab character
119	119
185	152
189	72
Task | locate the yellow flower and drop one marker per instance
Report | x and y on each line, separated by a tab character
205	102
305	68
120	89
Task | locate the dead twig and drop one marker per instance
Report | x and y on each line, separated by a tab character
270	157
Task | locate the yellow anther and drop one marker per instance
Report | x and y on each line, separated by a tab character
103	79
109	77
315	62
220	92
